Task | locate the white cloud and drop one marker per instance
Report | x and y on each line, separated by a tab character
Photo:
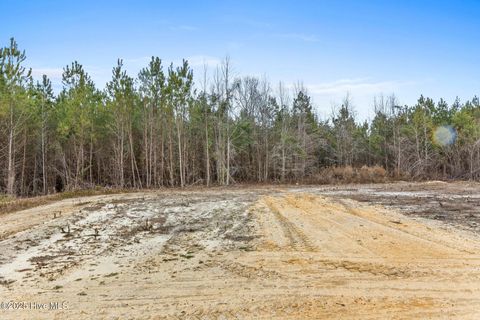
56	73
299	36
52	73
358	85
183	28
193	61
166	23
230	19
99	75
361	91
201	60
137	61
234	45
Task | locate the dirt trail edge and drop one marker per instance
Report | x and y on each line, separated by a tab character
240	254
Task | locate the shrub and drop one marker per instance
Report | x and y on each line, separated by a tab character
349	174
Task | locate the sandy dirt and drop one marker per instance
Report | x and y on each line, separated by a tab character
349	252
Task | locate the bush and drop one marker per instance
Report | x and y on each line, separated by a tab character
349	174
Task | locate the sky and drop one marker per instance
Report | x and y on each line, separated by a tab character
363	48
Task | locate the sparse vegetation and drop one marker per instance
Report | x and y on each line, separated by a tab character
162	130
239	160
12	204
286	243
113	274
349	174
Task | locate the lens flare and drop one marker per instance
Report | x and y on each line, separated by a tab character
444	135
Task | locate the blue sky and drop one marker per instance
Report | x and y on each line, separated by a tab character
365	48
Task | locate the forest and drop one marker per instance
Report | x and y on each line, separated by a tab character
162	129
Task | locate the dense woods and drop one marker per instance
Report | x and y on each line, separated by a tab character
164	129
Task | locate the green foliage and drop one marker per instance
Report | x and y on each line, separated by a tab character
158	130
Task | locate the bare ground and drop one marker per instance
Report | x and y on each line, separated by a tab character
397	251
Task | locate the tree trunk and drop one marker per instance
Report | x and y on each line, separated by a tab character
180	158
170	152
44	172
132	158
11	162
122	173
24	163
207	156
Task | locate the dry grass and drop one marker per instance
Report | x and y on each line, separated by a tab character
11	204
349	174
331	175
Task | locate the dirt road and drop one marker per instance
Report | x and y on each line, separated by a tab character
237	253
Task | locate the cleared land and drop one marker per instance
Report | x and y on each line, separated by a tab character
361	251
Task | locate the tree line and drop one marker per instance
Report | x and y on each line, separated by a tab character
162	129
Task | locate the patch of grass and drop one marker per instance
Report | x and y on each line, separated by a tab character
11	204
187	256
169	259
57	287
349	174
5	282
4	198
396	221
113	274
244	248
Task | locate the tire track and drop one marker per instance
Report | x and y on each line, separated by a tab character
299	241
355	212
